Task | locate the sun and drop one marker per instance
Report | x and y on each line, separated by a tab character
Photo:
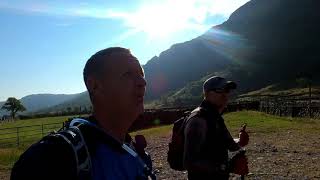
160	21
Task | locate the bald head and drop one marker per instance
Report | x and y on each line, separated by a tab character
95	65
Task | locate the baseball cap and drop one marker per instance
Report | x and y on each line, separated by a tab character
218	83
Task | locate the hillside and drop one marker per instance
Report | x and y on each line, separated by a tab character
263	42
273	91
172	69
80	100
191	94
284	35
39	101
36	102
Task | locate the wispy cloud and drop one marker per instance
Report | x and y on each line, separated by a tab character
57	9
191	9
63	24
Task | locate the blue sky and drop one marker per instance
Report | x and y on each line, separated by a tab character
45	44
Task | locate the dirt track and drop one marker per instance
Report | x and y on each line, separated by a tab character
281	155
4	174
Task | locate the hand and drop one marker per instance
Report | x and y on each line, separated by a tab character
243	136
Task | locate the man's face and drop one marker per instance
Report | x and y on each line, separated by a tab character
219	98
123	85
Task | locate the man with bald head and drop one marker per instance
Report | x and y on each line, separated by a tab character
116	86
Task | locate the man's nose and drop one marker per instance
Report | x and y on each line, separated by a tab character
141	81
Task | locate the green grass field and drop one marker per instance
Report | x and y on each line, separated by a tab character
28	135
265	123
257	122
24	132
30	122
280	91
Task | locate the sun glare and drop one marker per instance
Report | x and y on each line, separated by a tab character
158	22
162	20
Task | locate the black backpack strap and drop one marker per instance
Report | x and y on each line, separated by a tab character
75	139
195	112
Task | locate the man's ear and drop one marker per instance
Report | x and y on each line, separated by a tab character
206	94
93	85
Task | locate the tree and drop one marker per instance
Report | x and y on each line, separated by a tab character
76	109
13	105
69	109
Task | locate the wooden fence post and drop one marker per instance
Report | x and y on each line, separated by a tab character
42	129
309	104
18	140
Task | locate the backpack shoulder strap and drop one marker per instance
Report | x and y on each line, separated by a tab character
209	118
195	112
73	136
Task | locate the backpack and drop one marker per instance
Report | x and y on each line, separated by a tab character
176	145
71	134
42	159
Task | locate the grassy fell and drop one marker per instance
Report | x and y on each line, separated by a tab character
261	122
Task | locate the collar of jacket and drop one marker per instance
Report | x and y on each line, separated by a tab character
95	135
211	109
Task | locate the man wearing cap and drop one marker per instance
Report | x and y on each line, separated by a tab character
207	139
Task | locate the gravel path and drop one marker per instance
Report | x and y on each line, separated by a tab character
280	155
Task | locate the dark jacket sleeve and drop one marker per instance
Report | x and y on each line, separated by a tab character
231	144
46	160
